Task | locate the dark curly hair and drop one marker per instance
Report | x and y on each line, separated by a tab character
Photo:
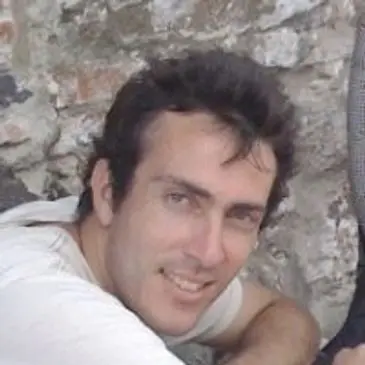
236	90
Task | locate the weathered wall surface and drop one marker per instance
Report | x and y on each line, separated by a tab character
61	61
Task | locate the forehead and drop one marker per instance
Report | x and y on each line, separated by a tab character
193	146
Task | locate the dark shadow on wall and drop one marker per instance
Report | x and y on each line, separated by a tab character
10	92
12	190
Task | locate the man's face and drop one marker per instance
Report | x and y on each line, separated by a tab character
189	221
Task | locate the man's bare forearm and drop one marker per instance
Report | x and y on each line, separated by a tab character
282	334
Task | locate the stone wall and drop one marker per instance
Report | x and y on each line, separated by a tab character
62	60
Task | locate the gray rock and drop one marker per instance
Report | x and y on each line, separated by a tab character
286	9
12	190
329	44
165	13
277	48
27	142
9	91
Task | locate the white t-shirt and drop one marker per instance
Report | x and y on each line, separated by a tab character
52	311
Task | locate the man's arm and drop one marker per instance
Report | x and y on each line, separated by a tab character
269	330
351	356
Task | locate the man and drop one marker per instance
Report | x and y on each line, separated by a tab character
351	356
193	158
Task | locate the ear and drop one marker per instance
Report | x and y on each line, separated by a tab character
102	192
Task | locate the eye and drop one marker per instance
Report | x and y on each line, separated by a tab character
177	198
180	201
246	220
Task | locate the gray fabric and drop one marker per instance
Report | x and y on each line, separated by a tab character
356	122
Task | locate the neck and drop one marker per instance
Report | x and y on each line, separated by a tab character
92	239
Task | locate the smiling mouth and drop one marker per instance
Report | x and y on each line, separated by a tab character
184	284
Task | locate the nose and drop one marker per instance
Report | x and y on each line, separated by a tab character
207	246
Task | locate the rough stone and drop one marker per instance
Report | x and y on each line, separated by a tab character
60	177
327	233
12	190
286	9
77	132
27	131
278	48
329	44
7	30
117	5
194	354
85	83
166	13
9	91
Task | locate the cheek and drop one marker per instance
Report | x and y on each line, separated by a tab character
130	267
129	248
167	230
238	249
139	243
125	251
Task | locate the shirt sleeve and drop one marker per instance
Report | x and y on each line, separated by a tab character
217	318
64	320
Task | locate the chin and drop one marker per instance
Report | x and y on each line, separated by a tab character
174	329
176	325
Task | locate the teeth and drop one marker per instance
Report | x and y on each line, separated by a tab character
184	284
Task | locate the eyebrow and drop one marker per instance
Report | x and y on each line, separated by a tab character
187	185
205	194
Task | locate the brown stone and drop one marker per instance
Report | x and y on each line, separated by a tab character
87	83
7	30
13	134
96	83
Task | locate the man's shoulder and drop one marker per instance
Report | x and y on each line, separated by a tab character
24	241
60	210
30	245
27	252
